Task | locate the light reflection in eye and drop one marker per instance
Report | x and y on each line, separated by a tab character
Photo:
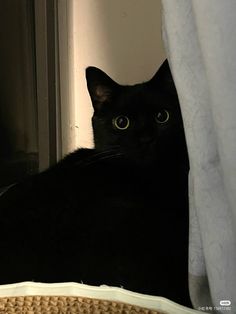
121	122
162	116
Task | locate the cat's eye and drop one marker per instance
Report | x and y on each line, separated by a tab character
162	116
121	122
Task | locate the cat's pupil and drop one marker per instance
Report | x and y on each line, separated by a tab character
162	116
121	122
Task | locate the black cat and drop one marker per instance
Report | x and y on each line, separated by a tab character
116	214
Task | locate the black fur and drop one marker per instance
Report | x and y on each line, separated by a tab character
116	214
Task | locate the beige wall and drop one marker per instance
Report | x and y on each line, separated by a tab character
123	38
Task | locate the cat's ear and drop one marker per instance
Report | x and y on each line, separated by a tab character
100	86
164	78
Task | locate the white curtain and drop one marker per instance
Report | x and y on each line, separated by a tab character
200	41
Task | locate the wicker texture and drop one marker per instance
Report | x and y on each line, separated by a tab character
66	305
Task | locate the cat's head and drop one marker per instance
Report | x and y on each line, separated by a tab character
143	121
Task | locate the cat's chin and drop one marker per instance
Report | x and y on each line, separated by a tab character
141	159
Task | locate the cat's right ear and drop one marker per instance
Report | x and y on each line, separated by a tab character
100	86
164	78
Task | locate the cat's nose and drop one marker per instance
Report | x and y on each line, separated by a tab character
145	139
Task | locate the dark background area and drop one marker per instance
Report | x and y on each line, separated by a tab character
18	109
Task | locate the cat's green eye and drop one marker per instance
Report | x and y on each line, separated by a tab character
121	122
162	116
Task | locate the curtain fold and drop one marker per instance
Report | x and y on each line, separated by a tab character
200	42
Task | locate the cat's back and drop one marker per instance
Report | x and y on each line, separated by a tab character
82	179
90	185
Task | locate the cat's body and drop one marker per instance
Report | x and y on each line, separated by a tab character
116	214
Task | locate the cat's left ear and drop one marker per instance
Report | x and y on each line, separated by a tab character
164	78
100	86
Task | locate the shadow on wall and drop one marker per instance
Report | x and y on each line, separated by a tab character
132	31
128	38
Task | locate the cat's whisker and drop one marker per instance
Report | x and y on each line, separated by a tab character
111	153
101	157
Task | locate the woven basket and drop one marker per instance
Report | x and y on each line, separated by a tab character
66	305
70	298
